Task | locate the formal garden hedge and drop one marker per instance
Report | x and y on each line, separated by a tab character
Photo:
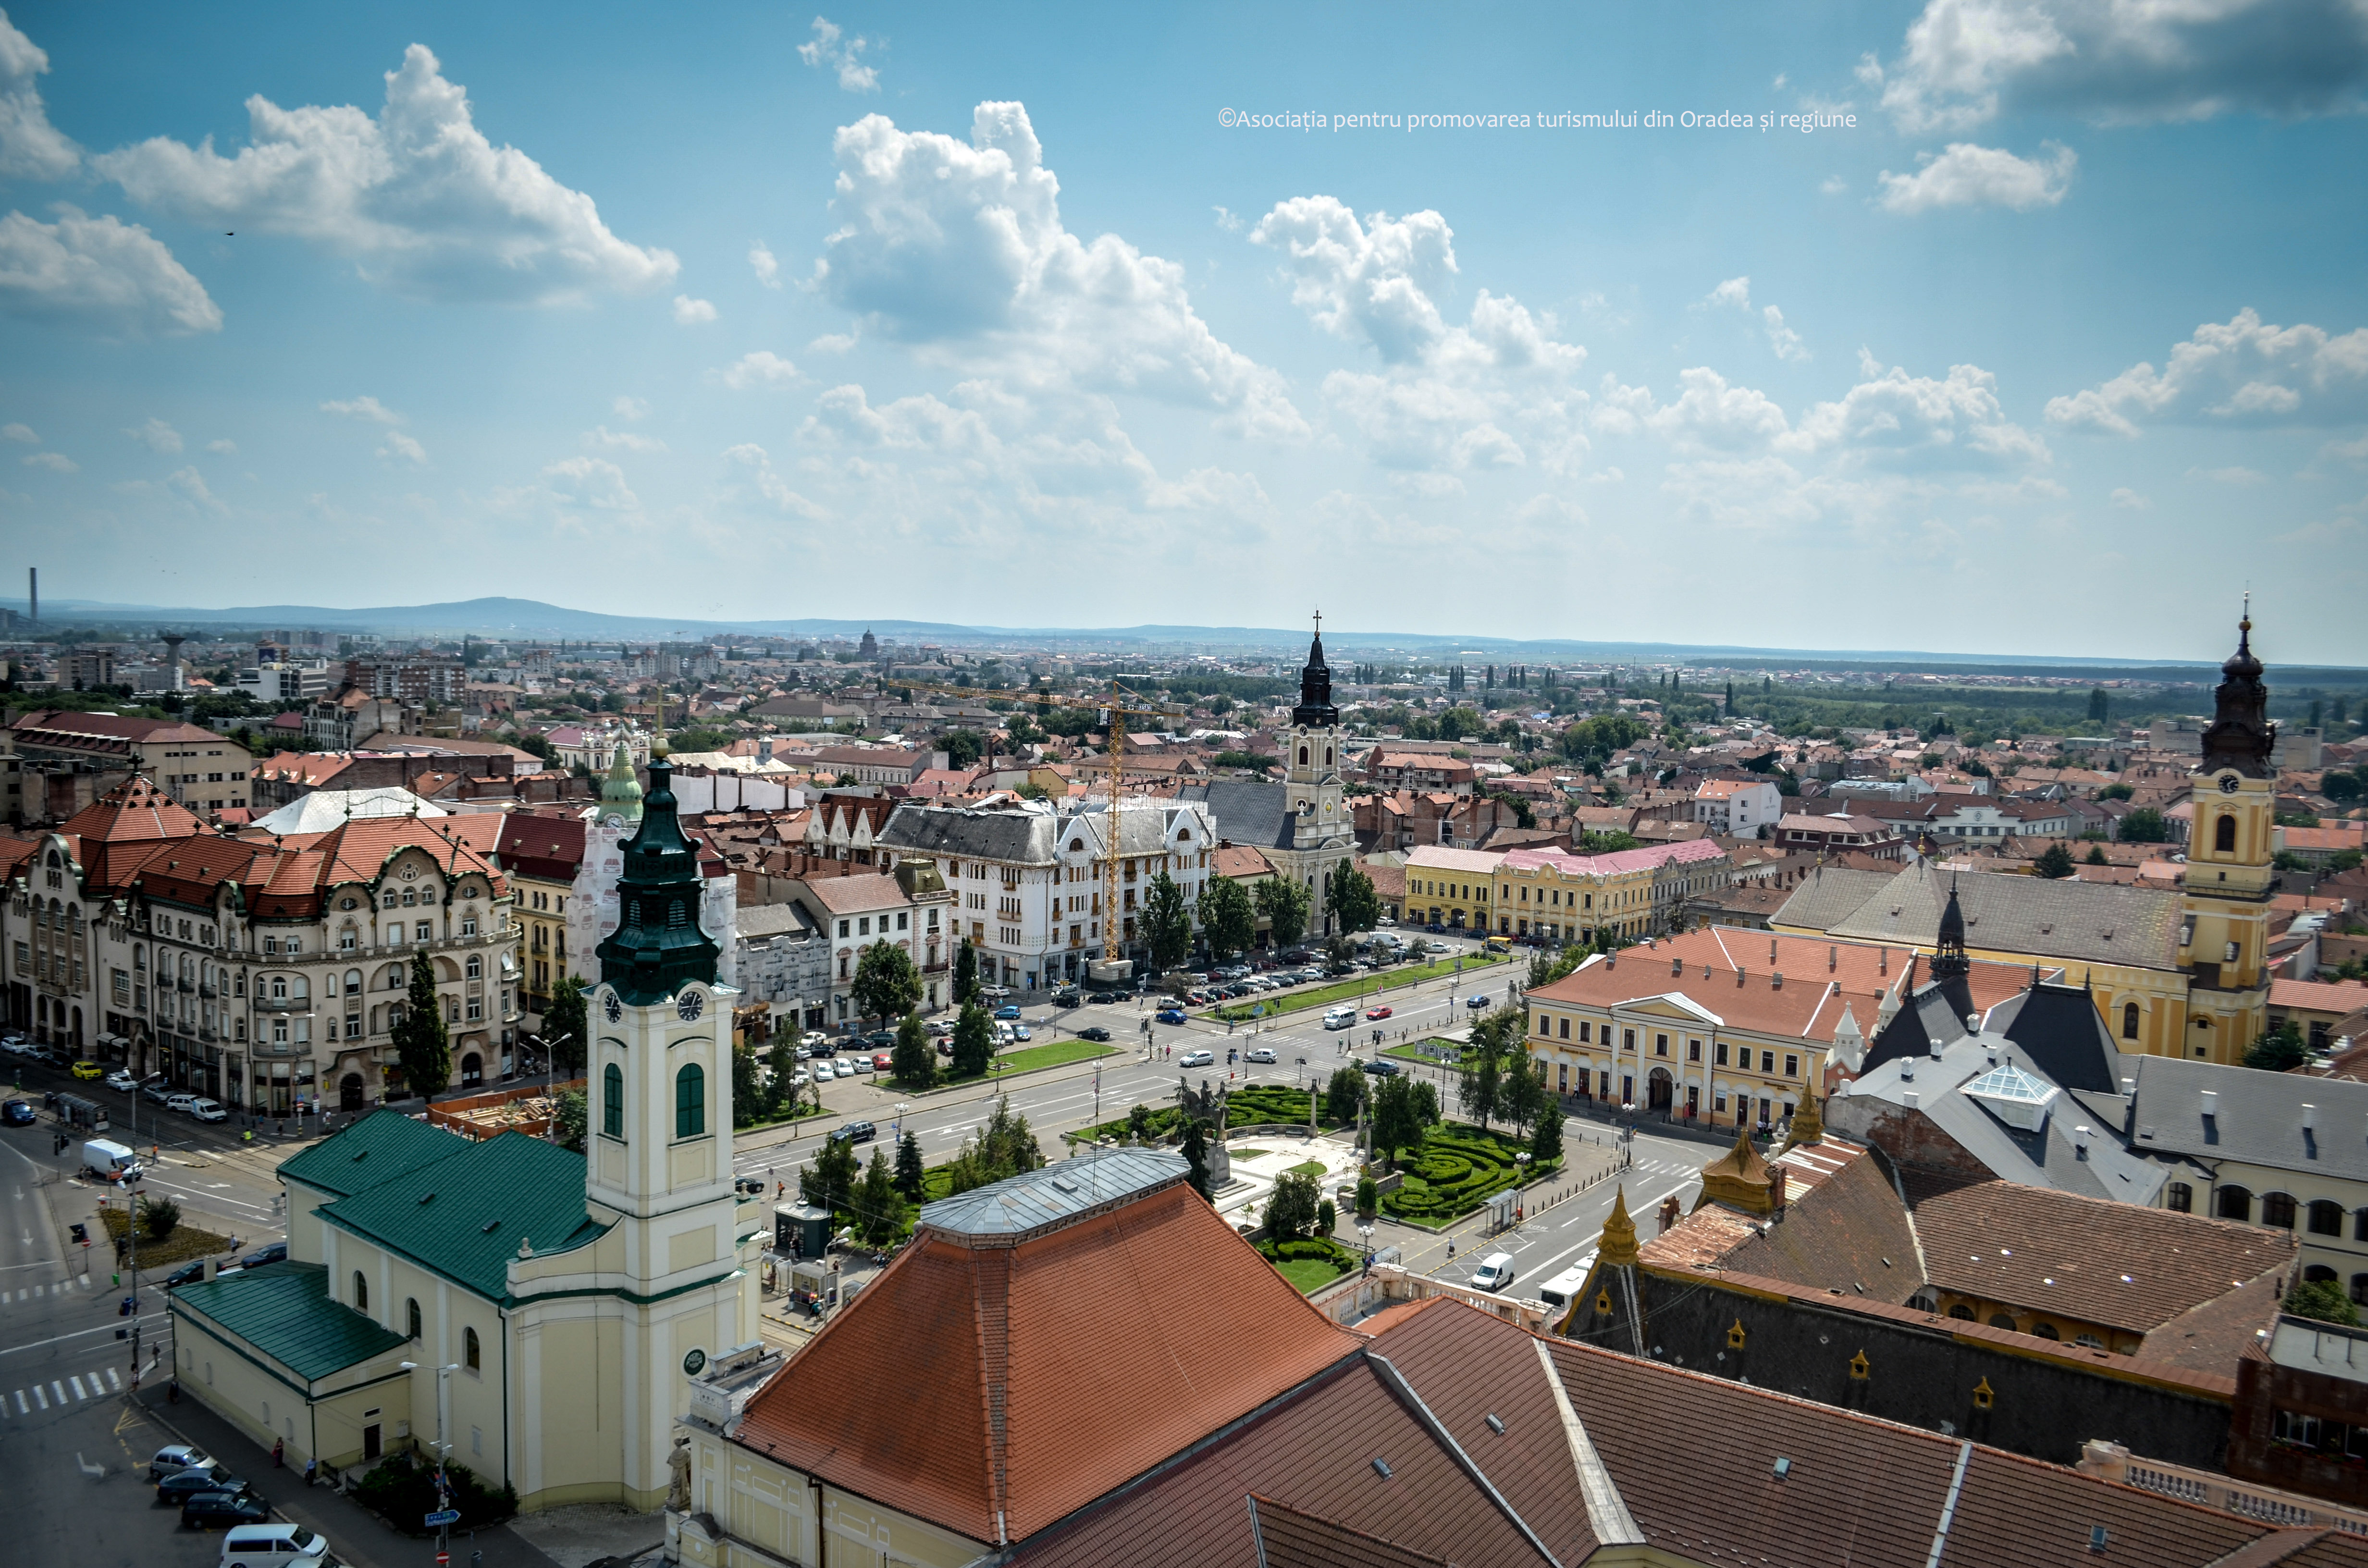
1309	1262
1458	1169
1258	1105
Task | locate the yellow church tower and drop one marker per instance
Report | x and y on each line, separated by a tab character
2225	926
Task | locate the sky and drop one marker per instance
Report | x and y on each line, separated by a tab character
1994	326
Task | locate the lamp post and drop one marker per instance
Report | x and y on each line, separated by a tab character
443	1452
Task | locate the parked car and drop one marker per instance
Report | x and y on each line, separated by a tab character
122	1081
17	1113
89	1071
1494	1273
155	1093
222	1510
854	1132
1476	1001
208	1111
188	1274
1170	1015
801	1078
1009	1010
1019	1032
1094	1033
186	1484
275	1545
1374	1014
1197	1059
180	1102
860	1064
1068	997
175	1457
1264	1053
1379	1068
881	1061
276	1253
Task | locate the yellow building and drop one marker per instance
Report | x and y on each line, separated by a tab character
1630	893
1451	888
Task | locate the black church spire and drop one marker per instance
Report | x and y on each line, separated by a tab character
1316	709
1949	961
2241	736
657	946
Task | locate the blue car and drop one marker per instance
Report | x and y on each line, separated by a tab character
1009	1010
1171	1014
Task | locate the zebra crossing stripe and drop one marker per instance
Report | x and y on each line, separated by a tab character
22	1408
114	1384
77	1387
59	1389
37	1394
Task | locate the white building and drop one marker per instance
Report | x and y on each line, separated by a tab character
1737	808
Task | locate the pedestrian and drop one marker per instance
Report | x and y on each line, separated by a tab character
278	1454
312	1470
173	1392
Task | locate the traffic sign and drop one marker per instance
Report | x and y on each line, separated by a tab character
443	1517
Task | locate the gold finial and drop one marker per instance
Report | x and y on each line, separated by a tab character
2247	623
658	747
1808	1126
1618	1247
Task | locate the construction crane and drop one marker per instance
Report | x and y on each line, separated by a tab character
1119	709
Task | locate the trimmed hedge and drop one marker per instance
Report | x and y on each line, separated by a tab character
1457	1170
1258	1105
1310	1263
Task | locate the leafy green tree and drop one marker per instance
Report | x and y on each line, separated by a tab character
783	1060
2323	1302
751	1100
1495	1046
1354	903
2096	856
879	1208
2282	1050
567	1025
1545	1137
1166	922
2100	707
1397	1117
568	1116
912	1179
1610	841
915	1060
1283	901
1343	1095
2145	826
421	1043
1426	1103
974	1041
2115	792
1524	1096
1368	1199
1291	1208
1227	916
1327	1216
1196	1155
2055	862
887	983
160	1216
1461	723
963	748
828	1179
965	973
1256	761
1138	1123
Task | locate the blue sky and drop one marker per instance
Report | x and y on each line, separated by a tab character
981	315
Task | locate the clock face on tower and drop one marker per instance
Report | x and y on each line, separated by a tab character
2227	783
614	1008
689	1004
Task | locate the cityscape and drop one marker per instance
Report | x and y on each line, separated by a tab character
1171	911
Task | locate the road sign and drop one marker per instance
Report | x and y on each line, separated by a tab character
443	1517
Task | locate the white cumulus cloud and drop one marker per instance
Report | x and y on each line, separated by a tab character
688	312
222	447
603	439
1897	420
364	407
400	448
831	47
20	433
2128	500
190	486
770	485
762	369
418	197
100	273
1968	175
626	406
591	482
2242	372
1964	60
155	434
1736	293
31	147
765	265
57	462
958	247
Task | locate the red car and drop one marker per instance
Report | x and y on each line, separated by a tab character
880	1062
1377	1013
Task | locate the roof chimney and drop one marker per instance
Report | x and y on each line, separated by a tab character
1677	967
2309	1116
1883	961
1935	1043
1771	949
1776	981
1973	1023
1908	1100
2129	1087
1833	959
2080	1142
1739	973
2210	1103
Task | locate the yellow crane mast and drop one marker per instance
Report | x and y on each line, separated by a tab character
1119	708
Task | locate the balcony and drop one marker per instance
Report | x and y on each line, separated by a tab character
207	991
185	985
283	1003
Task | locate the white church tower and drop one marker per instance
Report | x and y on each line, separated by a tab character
1321	833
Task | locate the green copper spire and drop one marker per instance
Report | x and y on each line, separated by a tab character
621	793
657	946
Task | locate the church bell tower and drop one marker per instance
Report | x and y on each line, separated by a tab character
1312	793
2224	927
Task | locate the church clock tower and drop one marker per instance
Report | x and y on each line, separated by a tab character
1322	836
2224	929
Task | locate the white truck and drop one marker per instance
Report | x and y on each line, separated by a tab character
108	1160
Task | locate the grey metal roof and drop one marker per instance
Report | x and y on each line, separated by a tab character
1055	1196
1143	829
1017	836
2258	1119
2098	922
1245	812
1829	896
2046	1157
755	922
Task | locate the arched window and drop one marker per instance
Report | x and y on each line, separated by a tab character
361	1293
2179	1199
612	1100
691	1101
2044	1331
1327	756
471	1354
2318	1274
2224	834
1962	1312
2129	1020
411	1315
2360	1289
1303	757
2234	1203
2002	1320
2326	1220
2278	1211
353	982
476	967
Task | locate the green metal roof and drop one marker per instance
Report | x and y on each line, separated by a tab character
284	1311
464	1217
382	1145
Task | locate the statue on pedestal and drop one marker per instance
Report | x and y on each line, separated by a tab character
1207	1105
678	1465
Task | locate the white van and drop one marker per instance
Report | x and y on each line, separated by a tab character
108	1160
274	1546
1496	1272
1557	1292
1340	1018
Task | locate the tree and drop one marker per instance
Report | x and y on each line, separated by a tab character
1397	1120
568	1117
1426	1103
565	1027
964	747
879	1207
966	972
1358	908
2115	792
2055	862
2100	707
160	1216
974	1041
421	1043
887	983
1283	901
828	1179
1166	922
750	1099
1291	1208
1344	1093
1196	1155
1523	1095
915	1060
1327	1217
1545	1139
1003	1147
1368	1199
1484	1061
2145	826
911	1179
2282	1050
1227	916
2096	856
2322	1301
783	1060
1138	1123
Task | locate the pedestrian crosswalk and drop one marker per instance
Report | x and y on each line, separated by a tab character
75	1387
61	1287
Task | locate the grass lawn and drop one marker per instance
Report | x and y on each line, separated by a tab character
1412	1050
1307	1167
186	1244
805	1112
1309	1264
1247	1153
1052	1053
1458	1169
1373	988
